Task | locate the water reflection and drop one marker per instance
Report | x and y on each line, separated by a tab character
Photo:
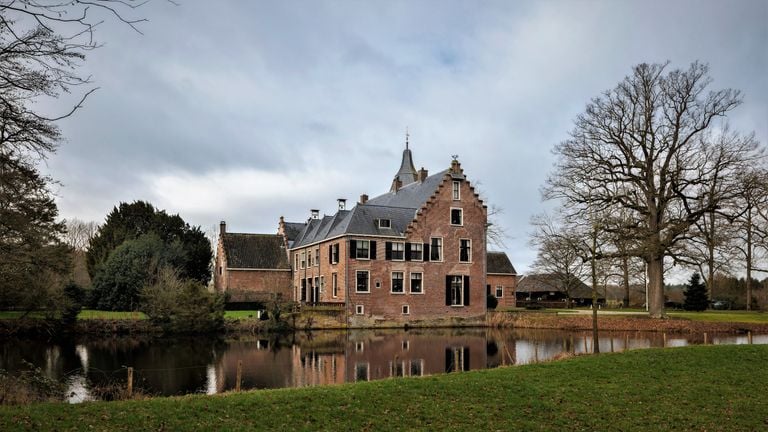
180	366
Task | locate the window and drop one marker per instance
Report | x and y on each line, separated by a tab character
499	291
457	290
362	281
322	284
385	223
317	257
359	309
309	258
335	285
296	258
457	359
362	250
220	270
406	310
465	250
417	367
416	287
406	345
335	253
457	216
416	252
303	290
398	251
303	258
397	369
397	283
362	372
456	191
360	345
436	249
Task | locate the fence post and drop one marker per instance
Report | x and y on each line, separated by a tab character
239	375
705	338
664	340
130	382
749	338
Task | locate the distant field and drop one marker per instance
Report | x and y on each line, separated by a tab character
702	388
89	314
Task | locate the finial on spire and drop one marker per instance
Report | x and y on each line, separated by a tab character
407	135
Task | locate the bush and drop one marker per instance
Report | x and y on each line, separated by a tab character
31	385
491	301
74	297
182	305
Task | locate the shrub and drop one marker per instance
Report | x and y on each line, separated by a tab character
31	385
491	301
182	305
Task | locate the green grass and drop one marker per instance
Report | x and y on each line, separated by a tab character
713	388
240	314
110	315
724	316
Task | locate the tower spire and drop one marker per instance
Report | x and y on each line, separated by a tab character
407	135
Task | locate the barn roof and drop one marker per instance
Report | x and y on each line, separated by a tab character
255	251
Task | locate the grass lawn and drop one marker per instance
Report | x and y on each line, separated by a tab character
240	314
111	315
712	388
757	317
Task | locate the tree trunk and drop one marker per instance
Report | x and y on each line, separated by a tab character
595	340
625	270
656	287
749	259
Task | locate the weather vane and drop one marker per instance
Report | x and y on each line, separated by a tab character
455	157
407	135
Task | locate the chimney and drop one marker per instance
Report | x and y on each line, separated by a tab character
342	203
423	174
222	227
315	213
363	198
396	185
455	165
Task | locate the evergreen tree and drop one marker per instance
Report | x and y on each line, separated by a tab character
696	298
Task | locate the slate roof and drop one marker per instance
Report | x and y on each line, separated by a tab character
399	207
498	262
255	251
545	282
407	172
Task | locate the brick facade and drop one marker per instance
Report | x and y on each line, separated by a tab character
507	284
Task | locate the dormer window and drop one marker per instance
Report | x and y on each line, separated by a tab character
385	223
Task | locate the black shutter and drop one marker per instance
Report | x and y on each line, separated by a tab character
407	251
352	249
388	250
447	290
373	250
487	290
448	360
425	255
330	254
466	358
466	290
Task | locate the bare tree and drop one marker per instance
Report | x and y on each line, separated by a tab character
79	233
641	147
751	216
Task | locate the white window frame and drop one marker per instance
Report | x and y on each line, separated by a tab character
357	250
388	224
303	259
461	216
402	245
335	253
410	283
460	291
432	247
367	370
456	191
359	309
368	281
406	309
335	285
421	250
296	258
499	289
317	257
420	362
392	282
360	345
469	253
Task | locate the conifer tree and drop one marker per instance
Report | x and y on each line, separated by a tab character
696	298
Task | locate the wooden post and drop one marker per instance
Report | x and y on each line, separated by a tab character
749	338
626	342
586	348
239	375
664	340
705	338
130	382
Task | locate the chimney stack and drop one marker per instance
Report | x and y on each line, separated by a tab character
222	227
315	213
423	174
363	198
342	203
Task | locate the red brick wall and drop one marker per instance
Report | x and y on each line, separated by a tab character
323	269
257	285
509	284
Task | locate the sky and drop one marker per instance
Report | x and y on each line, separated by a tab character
246	111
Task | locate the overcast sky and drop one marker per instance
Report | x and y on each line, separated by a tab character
246	111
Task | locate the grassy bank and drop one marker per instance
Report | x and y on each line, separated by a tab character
86	314
753	317
697	388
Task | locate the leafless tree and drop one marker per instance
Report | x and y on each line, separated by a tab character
79	233
642	147
751	217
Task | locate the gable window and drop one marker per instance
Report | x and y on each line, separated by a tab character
456	191
335	285
334	253
398	251
385	223
397	283
303	258
457	216
415	252
416	286
362	281
499	291
363	250
436	249
317	257
465	250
